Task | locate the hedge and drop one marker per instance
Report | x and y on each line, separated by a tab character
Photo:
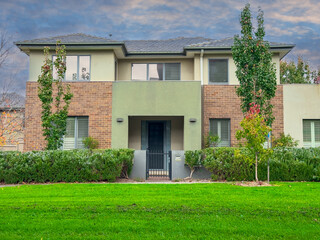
64	166
286	164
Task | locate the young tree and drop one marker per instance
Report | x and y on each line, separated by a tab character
255	131
297	73
54	109
255	71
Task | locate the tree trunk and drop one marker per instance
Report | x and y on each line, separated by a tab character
191	172
256	167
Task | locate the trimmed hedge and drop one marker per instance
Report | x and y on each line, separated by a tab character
64	166
286	164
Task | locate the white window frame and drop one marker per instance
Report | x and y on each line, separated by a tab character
78	61
219	129
218	83
163	73
313	142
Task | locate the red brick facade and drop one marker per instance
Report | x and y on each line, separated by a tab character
221	101
92	99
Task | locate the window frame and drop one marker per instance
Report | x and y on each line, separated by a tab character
163	71
76	131
218	83
229	128
78	62
313	142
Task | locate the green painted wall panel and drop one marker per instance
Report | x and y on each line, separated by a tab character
157	98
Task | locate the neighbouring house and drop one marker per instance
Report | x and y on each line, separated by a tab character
160	97
11	121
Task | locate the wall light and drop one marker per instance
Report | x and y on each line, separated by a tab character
119	120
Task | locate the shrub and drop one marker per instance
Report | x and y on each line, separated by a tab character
194	160
284	141
211	140
286	164
90	143
63	166
227	163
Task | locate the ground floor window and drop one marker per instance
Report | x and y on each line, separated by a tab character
311	133
77	130
221	128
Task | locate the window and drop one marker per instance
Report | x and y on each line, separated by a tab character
218	71
311	133
221	128
78	68
155	71
77	130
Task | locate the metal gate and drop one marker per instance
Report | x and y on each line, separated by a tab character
159	164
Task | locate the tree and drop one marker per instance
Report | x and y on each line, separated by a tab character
54	109
5	47
255	131
255	71
194	160
300	73
11	104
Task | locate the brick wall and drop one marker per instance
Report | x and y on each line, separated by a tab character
92	99
221	101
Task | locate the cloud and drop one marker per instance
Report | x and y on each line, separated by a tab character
285	21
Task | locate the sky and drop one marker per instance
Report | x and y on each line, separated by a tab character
288	21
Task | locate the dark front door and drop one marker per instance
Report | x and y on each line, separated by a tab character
155	144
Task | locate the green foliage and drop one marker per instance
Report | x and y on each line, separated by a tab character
125	156
286	164
255	132
255	71
64	166
211	140
284	141
300	73
226	163
193	159
90	143
54	109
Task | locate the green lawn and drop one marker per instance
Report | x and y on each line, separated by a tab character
159	211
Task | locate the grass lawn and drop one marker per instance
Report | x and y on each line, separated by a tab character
159	211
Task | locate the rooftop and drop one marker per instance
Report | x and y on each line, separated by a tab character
175	45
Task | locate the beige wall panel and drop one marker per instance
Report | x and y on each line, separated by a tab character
102	64
300	101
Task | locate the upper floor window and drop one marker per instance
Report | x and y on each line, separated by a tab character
218	71
221	128
311	133
78	68
155	71
77	130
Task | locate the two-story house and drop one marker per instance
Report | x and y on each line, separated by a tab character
159	95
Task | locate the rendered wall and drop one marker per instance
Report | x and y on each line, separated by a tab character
156	98
102	64
300	101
